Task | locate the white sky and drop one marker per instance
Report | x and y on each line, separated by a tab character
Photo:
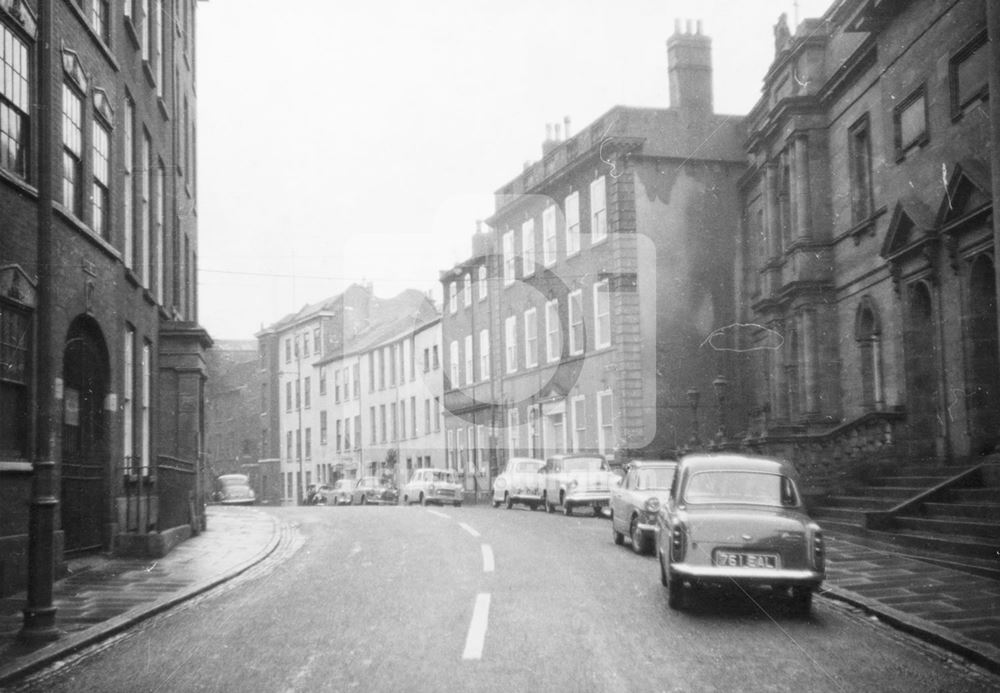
341	142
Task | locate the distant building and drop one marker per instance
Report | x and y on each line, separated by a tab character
98	300
868	240
585	314
349	346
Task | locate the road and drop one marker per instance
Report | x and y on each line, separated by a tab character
473	598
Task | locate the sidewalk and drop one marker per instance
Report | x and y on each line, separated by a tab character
105	596
954	610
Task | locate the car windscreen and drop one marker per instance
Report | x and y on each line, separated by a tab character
654	478
443	476
233	480
527	466
584	464
727	486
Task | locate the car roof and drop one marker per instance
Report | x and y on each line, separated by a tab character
436	469
526	459
733	462
652	463
577	455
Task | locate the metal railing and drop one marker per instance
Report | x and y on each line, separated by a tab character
138	491
176	479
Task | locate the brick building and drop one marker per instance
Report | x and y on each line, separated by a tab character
583	317
98	256
869	262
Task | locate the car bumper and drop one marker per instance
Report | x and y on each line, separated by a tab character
748	576
597	498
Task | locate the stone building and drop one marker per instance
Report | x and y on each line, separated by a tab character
601	291
98	258
868	237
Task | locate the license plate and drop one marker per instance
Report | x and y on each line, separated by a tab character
739	559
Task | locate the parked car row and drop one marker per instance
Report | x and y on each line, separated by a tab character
710	519
368	490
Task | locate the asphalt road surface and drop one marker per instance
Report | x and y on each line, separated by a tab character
481	599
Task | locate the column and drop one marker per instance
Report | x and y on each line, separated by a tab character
772	222
810	352
801	182
778	375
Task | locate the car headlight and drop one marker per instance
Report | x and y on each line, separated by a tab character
652	505
573	484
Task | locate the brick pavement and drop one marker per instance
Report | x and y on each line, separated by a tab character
104	596
953	609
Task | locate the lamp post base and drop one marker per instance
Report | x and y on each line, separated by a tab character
39	626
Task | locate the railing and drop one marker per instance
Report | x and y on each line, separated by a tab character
176	479
135	513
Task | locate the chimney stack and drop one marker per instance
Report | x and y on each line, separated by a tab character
689	65
566	126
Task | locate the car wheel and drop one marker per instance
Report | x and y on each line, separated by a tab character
663	571
638	541
549	508
615	534
675	592
534	506
423	499
801	600
508	501
458	504
567	511
496	503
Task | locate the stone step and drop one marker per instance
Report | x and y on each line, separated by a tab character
974	495
950	526
926	481
974	548
825	514
890	492
982	511
859	502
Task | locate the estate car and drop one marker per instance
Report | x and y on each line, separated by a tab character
519	483
433	486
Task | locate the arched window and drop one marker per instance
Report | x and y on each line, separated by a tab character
867	332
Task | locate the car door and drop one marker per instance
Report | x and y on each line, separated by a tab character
552	481
617	501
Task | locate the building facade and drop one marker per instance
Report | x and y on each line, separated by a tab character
601	291
869	261
98	258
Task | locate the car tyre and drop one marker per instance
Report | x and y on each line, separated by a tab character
508	501
364	500
423	499
635	534
567	511
458	504
675	592
549	508
663	571
801	601
496	503
618	537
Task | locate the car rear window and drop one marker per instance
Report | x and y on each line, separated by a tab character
584	464
654	478
752	488
527	466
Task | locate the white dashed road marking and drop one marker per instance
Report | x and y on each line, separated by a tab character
477	628
487	559
468	529
439	514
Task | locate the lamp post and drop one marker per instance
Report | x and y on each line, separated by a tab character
721	386
693	396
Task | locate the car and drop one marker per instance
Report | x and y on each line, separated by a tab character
519	483
319	494
431	485
371	490
340	492
233	489
636	502
738	520
576	479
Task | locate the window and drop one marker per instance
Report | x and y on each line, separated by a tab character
513	431
316	340
338	435
413	416
436	360
469	372
437	414
402	419
405	357
288	396
508	258
160	229
336	385
383	425
307	392
605	422
322	428
381	368
572	224
394	428
100	11
598	213
510	341
15	373
427	416
860	155
128	398
549	236
298	444
579	411
391	351
298	395
484	354
145	28
372	422
128	230
356	379
452	291
968	73
530	338
528	248
910	123
145	211
159	42
308	443
427	360
100	209
453	363
602	315
553	340
467	290
14	103
576	335
147	397
371	371
449	448
322	381
357	432
288	446
72	140
483	287
305	345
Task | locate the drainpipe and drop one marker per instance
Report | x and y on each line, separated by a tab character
39	614
993	46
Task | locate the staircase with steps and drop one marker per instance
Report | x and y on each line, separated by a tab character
944	514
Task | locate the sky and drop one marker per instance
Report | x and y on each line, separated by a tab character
343	142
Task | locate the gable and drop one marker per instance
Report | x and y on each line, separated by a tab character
967	190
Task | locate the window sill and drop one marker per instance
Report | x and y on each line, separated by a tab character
133	33
16	467
147	69
163	108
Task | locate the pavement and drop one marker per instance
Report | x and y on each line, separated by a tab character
104	596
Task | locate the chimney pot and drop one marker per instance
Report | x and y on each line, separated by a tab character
558	132
566	126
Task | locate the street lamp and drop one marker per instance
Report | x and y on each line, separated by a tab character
721	386
693	396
